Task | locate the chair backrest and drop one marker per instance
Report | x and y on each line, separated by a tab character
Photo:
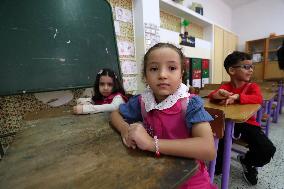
193	90
218	124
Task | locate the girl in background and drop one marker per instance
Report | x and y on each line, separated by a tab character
109	94
165	119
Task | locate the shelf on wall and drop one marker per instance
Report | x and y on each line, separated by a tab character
196	52
202	47
255	52
184	12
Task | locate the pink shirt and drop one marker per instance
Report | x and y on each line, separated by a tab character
170	124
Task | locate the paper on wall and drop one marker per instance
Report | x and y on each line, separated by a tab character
129	67
152	35
125	48
130	83
123	15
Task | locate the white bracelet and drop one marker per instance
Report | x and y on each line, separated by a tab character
157	152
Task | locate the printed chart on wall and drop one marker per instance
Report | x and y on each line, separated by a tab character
152	35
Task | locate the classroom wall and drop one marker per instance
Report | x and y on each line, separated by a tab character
257	20
216	11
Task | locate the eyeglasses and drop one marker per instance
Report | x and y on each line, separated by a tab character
245	66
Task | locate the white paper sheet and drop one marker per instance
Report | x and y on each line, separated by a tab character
129	67
130	83
123	15
125	48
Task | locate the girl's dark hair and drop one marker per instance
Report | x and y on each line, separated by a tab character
163	45
234	58
117	86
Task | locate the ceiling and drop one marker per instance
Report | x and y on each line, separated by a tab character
237	3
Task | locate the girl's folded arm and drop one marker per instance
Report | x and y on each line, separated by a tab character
200	146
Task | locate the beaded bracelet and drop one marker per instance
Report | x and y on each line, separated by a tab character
157	153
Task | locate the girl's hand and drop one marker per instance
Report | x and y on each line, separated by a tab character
142	139
78	109
126	140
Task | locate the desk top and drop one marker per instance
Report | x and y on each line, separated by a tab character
84	152
236	112
204	92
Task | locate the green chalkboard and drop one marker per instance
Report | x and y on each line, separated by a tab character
48	45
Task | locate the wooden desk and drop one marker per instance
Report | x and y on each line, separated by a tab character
84	152
234	114
203	93
237	112
211	86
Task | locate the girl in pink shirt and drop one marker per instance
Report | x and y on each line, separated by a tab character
165	119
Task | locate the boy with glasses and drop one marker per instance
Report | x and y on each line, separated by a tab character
239	90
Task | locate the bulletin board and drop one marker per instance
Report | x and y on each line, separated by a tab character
48	45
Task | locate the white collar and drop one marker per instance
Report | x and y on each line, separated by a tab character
150	102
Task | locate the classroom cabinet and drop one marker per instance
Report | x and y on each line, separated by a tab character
225	42
264	57
230	45
271	68
257	48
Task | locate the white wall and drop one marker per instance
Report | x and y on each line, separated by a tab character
257	20
145	11
216	11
